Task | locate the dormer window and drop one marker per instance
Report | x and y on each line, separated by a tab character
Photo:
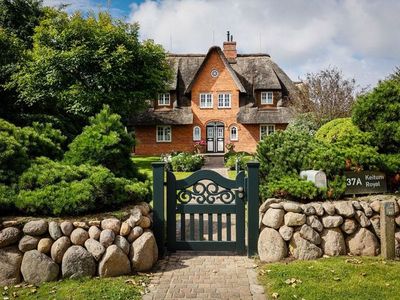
267	98
164	99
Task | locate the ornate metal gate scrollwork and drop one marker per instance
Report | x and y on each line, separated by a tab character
205	193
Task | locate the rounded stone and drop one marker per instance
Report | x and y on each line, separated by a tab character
363	242
79	236
135	233
37	267
35	228
144	252
95	248
78	262
125	229
55	230
271	246
82	225
28	243
315	223
306	232
44	245
303	249
9	236
273	218
122	243
292	207
309	209
145	222
94	232
349	226
344	208
332	221
286	232
67	228
135	217
362	219
112	224
332	242
10	264
329	208
114	263
294	219
107	237
59	248
319	210
144	207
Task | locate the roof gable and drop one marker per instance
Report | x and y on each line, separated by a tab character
226	64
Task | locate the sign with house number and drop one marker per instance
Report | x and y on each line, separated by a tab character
365	182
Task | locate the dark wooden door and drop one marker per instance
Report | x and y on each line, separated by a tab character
215	137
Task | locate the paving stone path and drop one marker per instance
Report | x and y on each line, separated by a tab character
205	275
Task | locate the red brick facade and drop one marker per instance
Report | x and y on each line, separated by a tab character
221	83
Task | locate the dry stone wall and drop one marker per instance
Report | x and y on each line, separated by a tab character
40	251
309	231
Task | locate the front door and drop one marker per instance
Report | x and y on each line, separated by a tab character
215	137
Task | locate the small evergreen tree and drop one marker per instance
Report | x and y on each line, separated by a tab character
104	142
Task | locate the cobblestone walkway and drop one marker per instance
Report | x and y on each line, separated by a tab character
205	275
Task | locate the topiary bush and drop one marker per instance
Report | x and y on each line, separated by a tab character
104	142
54	188
186	162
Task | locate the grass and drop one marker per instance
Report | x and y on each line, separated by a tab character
144	164
126	287
332	278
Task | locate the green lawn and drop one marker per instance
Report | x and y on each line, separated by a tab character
126	287
144	164
332	278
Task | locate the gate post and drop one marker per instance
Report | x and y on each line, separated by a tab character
253	204
159	206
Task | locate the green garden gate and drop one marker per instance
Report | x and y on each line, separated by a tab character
205	211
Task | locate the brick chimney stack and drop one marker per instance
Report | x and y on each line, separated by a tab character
230	48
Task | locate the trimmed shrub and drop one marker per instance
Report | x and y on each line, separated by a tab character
291	187
7	199
104	142
53	188
186	162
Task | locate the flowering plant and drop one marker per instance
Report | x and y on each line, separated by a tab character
199	146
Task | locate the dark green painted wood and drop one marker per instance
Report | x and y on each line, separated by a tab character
171	211
158	205
205	208
228	227
183	227
210	227
201	227
240	217
192	227
219	230
205	175
253	204
206	245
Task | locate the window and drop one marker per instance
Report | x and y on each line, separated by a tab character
234	133
196	133
163	134
164	99
266	130
267	98
206	100
224	100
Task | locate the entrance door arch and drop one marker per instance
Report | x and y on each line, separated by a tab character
215	137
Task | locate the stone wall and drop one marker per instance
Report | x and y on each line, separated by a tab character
308	231
40	251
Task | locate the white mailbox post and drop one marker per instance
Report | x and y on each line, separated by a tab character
315	176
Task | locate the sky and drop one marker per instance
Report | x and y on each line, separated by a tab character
360	37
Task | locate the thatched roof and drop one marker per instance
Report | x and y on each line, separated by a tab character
252	115
176	116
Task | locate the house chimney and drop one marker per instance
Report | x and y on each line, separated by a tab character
230	48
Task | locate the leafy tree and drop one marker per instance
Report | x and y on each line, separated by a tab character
378	112
104	142
326	95
78	64
20	17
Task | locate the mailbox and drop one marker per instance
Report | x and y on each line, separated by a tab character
316	177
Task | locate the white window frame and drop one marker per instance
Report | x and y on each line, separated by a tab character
226	100
267	131
164	99
207	97
265	99
231	136
196	137
164	136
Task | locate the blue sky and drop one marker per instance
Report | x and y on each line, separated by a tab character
361	38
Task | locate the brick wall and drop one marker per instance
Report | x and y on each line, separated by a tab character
182	135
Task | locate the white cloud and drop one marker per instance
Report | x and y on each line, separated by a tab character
360	37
